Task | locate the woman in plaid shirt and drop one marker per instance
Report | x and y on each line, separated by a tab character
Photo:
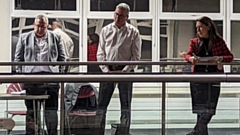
208	43
93	41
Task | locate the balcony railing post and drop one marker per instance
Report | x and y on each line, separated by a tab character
163	107
62	111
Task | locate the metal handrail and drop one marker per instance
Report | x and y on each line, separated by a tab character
122	77
115	63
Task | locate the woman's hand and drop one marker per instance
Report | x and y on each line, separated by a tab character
218	59
194	59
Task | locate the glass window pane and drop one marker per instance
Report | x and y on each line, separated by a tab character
235	26
15	22
198	6
69	26
109	5
69	5
145	29
236	4
175	40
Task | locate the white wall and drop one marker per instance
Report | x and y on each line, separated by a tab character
5	32
5	45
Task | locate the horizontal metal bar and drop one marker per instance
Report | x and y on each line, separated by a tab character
164	63
233	77
183	59
121	78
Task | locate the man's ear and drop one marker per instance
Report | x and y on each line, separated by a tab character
49	26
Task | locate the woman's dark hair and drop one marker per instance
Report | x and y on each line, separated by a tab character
94	37
213	33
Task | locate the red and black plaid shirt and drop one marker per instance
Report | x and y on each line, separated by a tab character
219	48
92	52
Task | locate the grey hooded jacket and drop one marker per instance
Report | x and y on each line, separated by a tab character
71	94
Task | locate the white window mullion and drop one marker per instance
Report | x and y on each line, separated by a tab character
79	4
223	7
152	4
227	28
83	29
230	16
155	37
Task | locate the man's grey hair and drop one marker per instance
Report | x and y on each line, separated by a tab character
124	7
58	23
41	17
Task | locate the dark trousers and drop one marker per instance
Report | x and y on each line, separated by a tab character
93	69
204	102
51	107
204	97
105	94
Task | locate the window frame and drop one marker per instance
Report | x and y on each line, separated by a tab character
133	15
225	7
51	14
155	13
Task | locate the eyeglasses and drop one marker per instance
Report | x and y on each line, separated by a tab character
120	15
41	26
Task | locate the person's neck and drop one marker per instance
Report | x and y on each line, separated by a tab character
205	37
120	26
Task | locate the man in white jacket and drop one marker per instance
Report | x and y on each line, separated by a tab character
68	42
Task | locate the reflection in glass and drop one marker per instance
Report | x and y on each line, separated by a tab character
69	26
235	40
109	5
69	5
199	6
175	36
145	29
